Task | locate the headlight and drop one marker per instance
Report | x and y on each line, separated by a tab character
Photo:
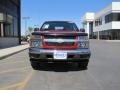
36	44
83	42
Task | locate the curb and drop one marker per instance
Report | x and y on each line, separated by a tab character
3	57
118	41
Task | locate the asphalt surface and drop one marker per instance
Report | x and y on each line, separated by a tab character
103	71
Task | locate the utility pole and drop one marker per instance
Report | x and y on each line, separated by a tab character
26	18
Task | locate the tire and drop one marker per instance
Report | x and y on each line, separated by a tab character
35	65
83	65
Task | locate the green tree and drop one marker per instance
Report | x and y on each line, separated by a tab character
29	31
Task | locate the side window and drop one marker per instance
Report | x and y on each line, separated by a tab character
75	27
45	26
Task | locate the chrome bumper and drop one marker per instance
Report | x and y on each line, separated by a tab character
78	54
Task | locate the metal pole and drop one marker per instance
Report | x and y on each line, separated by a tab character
26	18
25	25
98	35
2	33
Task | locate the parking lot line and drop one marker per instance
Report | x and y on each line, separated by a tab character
11	86
21	85
12	70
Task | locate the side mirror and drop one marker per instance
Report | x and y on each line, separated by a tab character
36	29
82	29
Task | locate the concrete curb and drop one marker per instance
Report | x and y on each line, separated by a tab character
17	51
113	40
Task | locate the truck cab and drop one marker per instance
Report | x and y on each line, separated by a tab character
59	41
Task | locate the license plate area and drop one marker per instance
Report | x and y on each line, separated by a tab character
60	55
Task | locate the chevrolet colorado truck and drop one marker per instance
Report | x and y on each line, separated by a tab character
59	41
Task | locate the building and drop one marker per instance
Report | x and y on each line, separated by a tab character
87	22
10	32
105	24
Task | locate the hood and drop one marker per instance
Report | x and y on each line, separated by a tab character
53	32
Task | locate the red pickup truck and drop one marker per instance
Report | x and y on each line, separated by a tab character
59	41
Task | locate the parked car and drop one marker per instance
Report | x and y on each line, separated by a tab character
59	41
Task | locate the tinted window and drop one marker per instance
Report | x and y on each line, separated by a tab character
116	16
98	22
59	26
112	17
108	18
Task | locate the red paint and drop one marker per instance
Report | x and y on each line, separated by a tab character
59	47
56	32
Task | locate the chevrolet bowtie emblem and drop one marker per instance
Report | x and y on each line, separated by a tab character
60	40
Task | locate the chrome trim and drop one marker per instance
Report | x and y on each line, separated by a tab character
77	51
35	39
64	40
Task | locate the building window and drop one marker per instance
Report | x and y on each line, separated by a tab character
116	16
10	27
112	17
108	18
91	29
113	34
8	30
98	22
10	9
15	25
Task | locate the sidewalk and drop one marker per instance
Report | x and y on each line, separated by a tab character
12	50
117	41
113	40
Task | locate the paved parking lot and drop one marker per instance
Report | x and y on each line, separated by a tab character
103	71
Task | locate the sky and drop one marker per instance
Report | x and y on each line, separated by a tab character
40	11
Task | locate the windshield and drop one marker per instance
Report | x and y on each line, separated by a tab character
59	26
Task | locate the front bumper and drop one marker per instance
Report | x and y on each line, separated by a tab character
47	54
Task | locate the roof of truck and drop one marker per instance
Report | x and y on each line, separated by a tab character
59	21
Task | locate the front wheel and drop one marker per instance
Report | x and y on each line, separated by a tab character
35	65
83	65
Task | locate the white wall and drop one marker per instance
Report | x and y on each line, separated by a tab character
103	27
103	12
116	25
114	7
88	17
107	26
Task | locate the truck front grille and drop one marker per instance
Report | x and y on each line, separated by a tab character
60	44
58	37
